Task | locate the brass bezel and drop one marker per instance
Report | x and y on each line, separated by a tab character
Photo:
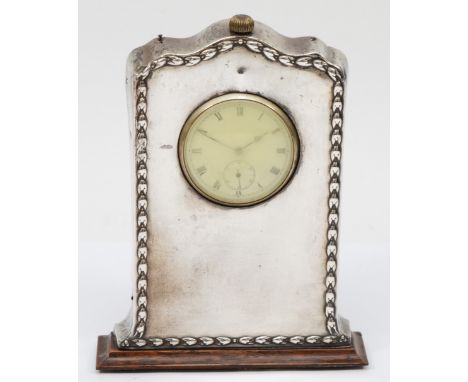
230	97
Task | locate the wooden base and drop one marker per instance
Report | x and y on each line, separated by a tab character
111	358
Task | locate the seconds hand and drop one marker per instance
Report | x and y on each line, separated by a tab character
238	175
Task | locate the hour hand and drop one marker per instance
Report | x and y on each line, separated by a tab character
205	133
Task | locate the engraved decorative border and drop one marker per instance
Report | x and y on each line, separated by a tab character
156	342
312	61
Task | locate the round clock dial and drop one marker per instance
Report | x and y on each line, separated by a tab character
238	149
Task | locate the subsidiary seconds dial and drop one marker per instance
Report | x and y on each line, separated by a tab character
238	149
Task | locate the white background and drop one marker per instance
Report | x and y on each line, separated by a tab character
108	30
38	197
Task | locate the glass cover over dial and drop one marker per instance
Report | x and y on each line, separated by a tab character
238	149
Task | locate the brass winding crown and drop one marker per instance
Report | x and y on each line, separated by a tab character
241	24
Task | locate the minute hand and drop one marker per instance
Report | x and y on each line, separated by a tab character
204	133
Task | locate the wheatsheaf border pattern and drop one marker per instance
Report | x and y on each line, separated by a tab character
313	61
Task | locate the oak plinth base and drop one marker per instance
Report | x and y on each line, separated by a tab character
111	358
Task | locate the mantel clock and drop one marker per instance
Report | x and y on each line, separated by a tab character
236	140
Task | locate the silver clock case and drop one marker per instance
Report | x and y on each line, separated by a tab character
209	275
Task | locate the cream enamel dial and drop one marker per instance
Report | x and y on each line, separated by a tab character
238	149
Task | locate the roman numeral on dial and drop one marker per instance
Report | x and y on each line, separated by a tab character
201	170
240	111
196	151
218	115
275	170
